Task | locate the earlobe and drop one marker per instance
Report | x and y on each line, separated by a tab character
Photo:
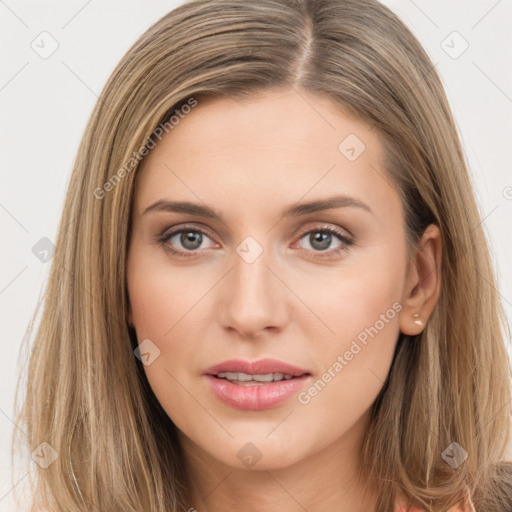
417	321
423	283
413	316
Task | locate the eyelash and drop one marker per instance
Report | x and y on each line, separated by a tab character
345	241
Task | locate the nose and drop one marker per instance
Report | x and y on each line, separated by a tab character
253	300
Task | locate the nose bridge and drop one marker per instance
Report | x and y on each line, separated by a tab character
253	298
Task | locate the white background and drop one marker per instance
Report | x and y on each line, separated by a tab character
45	104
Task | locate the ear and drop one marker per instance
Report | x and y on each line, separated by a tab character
423	282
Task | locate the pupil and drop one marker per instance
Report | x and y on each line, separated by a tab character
320	241
189	240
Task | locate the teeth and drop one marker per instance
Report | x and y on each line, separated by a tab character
244	377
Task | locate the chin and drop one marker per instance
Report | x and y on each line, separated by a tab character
261	454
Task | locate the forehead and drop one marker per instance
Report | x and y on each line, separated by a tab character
285	145
278	119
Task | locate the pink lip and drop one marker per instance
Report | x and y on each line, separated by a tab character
261	367
256	396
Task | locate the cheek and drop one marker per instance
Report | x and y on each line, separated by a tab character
368	305
170	305
362	309
161	300
161	296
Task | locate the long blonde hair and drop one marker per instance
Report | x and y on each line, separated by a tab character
86	394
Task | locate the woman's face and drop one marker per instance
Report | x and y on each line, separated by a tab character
267	229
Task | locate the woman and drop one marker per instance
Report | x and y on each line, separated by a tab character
271	286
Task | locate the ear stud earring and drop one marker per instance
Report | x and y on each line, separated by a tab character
417	322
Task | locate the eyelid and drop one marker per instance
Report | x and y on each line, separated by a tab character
341	232
168	232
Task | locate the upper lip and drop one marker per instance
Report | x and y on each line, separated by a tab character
261	367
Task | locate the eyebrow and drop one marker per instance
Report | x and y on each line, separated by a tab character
296	210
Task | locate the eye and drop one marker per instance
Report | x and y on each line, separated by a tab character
320	240
189	240
184	240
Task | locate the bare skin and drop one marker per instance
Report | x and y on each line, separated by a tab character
302	301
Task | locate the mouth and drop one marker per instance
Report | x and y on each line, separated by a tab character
258	385
245	379
263	370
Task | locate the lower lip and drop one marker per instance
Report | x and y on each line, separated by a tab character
258	396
